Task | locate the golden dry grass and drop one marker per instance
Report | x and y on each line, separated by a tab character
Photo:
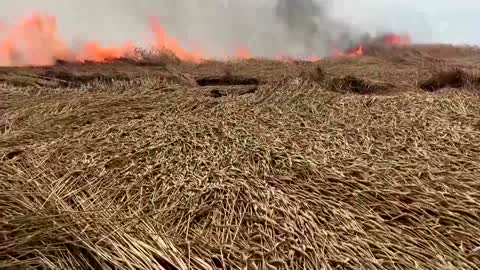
154	174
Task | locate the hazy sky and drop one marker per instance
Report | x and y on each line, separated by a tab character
222	24
448	21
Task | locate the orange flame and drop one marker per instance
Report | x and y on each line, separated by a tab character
94	52
32	42
359	51
35	41
396	40
388	40
163	42
243	54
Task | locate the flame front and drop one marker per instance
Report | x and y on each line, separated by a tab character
92	51
359	51
35	41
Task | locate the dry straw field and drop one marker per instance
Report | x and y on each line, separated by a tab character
350	163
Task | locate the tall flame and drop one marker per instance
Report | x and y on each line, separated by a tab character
33	41
163	42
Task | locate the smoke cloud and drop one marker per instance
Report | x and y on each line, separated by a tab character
266	27
309	24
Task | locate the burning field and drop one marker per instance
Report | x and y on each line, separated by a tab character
123	158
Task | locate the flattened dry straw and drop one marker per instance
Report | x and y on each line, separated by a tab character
149	174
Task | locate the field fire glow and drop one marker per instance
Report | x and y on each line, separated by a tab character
35	41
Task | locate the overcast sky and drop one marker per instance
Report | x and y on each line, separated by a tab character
222	23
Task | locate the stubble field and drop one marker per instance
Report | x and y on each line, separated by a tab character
370	162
